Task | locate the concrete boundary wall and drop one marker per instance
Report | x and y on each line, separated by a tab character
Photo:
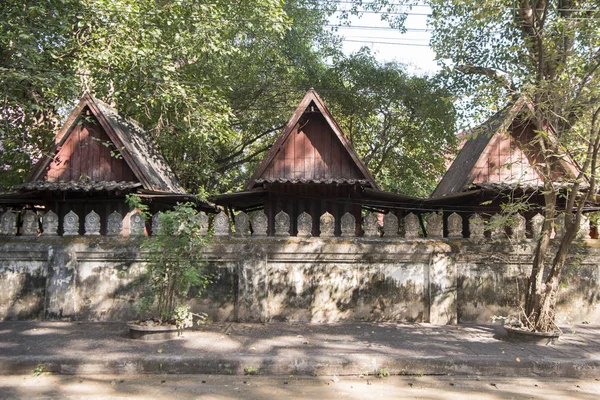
294	279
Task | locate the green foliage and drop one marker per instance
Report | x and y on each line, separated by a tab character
383	373
497	41
135	203
401	125
184	317
250	370
213	83
546	52
175	264
39	369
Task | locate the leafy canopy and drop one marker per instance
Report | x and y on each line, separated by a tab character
213	82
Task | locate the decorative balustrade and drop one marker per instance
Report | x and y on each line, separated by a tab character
411	226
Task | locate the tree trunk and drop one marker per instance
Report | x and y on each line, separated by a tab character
534	285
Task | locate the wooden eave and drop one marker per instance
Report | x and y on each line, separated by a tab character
311	96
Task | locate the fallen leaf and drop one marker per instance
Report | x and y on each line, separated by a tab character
159	351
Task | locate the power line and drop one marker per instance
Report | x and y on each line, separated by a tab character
388	43
216	84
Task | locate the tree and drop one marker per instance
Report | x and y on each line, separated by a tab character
401	125
549	52
179	67
36	79
212	81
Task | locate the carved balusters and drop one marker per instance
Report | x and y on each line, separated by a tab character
390	225
327	225
242	224
8	224
50	224
92	224
435	226
30	223
221	224
519	227
282	224
559	226
411	226
304	225
371	225
476	227
136	224
156	228
496	227
114	225
584	228
537	223
203	223
348	225
259	224
455	226
71	224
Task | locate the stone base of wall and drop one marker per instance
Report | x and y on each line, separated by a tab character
293	279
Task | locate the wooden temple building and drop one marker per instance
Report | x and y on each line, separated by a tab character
97	158
313	168
498	162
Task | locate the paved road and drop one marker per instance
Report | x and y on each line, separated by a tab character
220	387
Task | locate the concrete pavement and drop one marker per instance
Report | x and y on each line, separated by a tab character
284	349
220	387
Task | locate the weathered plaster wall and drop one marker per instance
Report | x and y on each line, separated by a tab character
293	279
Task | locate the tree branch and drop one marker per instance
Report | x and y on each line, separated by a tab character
240	148
494	74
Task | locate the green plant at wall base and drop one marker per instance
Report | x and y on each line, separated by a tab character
383	373
250	370
39	369
175	264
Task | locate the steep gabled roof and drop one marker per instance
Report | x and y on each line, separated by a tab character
311	100
136	147
467	169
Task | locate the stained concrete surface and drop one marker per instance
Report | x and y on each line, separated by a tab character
296	349
216	387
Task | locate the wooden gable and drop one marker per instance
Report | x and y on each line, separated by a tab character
88	153
506	159
99	144
502	152
312	149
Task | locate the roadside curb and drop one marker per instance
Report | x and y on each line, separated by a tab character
326	365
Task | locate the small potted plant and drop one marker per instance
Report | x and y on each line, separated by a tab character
175	265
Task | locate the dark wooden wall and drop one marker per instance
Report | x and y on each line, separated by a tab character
315	200
84	155
312	151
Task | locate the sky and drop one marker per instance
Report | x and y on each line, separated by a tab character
411	48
